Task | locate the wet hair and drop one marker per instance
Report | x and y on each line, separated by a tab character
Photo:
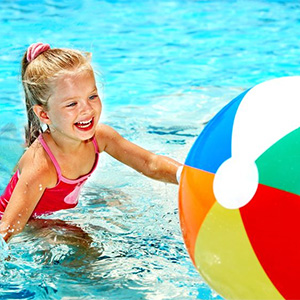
38	77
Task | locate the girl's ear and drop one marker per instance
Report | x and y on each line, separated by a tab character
41	114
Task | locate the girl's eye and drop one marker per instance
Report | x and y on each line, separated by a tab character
93	97
71	104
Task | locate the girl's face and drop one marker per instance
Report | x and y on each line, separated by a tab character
74	107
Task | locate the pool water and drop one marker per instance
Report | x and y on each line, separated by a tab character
164	69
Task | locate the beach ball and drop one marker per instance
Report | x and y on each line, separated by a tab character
239	200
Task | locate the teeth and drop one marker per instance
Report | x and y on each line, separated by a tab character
84	124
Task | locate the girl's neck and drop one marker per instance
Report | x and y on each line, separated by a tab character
64	144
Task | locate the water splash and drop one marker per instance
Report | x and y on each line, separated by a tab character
4	250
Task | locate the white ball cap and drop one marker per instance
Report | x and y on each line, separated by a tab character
235	183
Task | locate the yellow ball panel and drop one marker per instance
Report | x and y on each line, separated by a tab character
226	260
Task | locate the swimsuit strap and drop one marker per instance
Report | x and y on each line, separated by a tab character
95	145
52	157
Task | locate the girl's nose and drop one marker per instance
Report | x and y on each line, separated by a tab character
86	107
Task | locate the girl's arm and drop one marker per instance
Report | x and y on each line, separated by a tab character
155	166
34	178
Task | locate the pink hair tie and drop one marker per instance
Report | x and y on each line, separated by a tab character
36	49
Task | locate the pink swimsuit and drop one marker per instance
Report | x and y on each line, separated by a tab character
63	196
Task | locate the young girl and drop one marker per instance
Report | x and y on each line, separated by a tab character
61	92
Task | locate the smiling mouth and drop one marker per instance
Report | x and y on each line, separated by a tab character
85	125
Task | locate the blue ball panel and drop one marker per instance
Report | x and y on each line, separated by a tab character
213	146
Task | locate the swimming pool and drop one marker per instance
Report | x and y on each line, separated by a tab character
166	68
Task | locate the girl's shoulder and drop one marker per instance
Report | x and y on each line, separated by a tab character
104	134
36	163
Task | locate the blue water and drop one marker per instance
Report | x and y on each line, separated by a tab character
164	68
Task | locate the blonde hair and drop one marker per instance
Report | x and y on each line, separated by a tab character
38	77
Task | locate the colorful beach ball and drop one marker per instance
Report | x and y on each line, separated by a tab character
239	196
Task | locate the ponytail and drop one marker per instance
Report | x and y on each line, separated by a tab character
33	128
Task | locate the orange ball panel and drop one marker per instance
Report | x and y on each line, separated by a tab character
196	198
